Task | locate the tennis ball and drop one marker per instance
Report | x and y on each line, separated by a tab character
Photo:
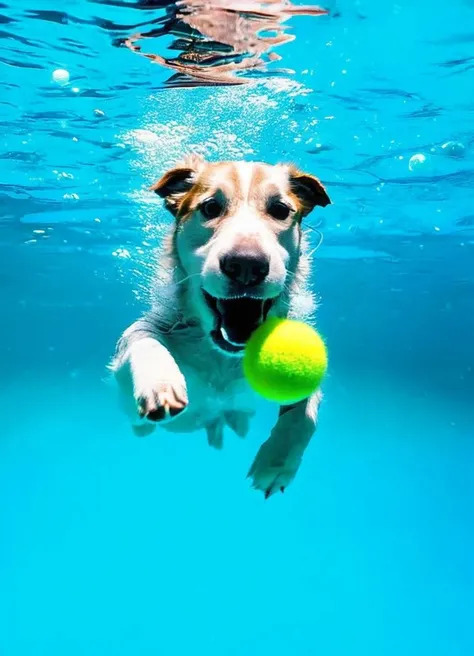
284	360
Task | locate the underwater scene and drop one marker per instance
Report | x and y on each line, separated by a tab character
118	541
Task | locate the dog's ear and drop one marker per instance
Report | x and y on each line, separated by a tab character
176	182
309	191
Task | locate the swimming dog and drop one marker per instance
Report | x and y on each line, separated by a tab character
234	256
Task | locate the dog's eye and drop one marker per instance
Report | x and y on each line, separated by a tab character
279	210
211	208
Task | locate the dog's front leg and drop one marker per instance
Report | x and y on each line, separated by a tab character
151	384
279	458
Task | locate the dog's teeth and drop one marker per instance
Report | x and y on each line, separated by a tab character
225	335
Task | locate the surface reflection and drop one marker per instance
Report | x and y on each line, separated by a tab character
218	42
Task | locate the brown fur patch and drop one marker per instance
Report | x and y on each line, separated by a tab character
307	191
184	186
188	203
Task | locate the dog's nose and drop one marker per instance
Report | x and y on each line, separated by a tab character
247	269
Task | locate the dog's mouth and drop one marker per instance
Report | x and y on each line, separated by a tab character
236	319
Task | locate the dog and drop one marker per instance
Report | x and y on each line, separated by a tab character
235	255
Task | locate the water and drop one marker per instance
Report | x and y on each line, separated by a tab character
111	545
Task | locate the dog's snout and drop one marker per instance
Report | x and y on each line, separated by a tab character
245	268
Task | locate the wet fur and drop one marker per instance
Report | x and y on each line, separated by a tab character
165	362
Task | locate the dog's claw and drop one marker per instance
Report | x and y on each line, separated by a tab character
162	404
273	468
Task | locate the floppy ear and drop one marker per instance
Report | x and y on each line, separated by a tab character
308	190
176	182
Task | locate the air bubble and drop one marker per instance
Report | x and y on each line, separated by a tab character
121	252
416	161
61	76
453	149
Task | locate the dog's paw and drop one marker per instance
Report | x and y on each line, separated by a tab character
162	401
272	471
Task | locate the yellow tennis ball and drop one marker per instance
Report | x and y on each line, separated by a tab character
285	360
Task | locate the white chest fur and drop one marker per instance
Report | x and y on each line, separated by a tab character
216	389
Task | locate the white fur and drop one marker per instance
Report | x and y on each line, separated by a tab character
166	362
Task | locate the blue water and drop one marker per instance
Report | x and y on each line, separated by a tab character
112	546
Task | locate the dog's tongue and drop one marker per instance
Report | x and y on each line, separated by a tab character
239	318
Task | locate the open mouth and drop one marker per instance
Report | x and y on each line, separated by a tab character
236	319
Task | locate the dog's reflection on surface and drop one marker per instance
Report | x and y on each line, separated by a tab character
218	40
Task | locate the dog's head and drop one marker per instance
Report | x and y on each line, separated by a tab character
237	239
